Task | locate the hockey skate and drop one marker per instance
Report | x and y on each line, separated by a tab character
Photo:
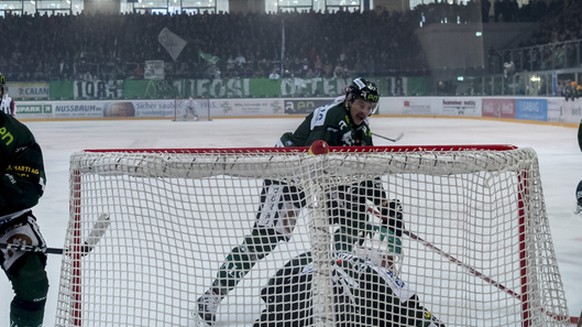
208	306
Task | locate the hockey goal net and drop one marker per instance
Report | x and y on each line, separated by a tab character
192	109
476	249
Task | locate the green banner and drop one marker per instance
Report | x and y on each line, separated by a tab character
226	88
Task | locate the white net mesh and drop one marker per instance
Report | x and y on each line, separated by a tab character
476	248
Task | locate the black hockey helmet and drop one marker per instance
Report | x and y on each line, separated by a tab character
365	90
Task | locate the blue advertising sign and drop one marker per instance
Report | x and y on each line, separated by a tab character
531	109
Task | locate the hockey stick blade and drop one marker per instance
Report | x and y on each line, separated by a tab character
395	139
93	238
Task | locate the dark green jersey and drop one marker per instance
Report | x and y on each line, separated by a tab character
331	123
22	176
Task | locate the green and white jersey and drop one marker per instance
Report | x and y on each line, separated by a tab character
331	123
22	175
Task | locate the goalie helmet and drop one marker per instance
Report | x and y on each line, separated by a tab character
365	90
382	248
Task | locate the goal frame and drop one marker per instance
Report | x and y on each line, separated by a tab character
76	208
203	112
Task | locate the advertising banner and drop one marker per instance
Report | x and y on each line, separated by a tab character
410	106
556	110
28	90
531	109
562	110
246	107
498	108
537	109
460	107
304	106
85	109
34	110
154	108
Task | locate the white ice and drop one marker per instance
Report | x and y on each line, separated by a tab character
559	156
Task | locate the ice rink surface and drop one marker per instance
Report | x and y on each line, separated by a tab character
559	156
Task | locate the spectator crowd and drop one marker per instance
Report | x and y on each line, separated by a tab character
308	44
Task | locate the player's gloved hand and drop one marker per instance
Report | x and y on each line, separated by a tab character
392	209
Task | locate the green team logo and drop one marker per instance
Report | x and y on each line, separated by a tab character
370	97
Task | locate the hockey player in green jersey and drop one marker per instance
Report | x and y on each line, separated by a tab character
22	180
344	122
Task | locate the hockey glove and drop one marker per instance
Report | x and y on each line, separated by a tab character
392	209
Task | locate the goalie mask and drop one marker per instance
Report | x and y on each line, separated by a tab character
382	248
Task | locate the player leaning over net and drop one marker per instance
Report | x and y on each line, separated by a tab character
22	180
341	123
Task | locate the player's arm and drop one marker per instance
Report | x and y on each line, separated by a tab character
298	137
22	181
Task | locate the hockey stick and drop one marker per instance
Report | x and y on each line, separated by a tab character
30	248
93	238
373	211
396	139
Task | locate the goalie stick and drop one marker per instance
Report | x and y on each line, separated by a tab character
395	139
374	212
92	239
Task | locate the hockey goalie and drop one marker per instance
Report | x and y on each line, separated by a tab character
366	288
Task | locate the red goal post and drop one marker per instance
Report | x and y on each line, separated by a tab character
477	247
